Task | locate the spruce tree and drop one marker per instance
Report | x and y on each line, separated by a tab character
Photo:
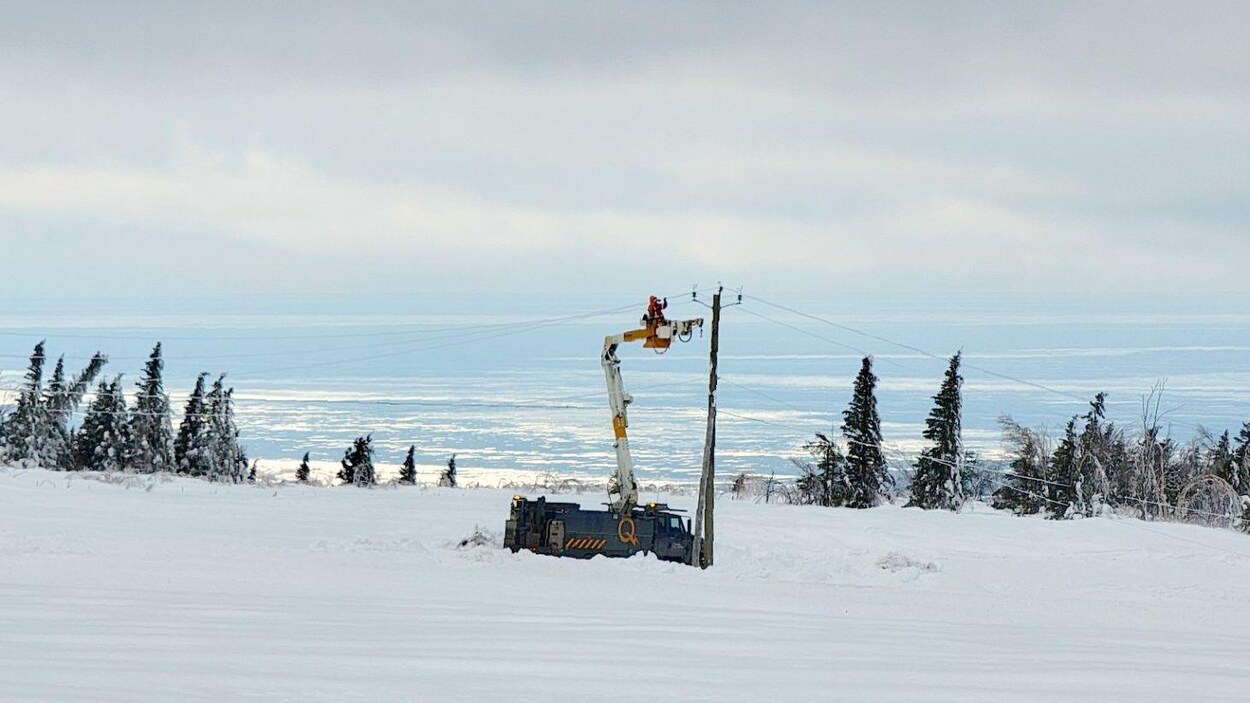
193	454
938	481
1222	463
25	430
357	463
102	442
93	430
55	438
1063	487
62	398
301	474
151	430
1241	461
229	462
448	477
1098	456
38	430
867	476
408	472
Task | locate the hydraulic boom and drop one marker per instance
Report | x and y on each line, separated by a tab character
657	333
624	528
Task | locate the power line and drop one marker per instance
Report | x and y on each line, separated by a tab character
903	459
932	355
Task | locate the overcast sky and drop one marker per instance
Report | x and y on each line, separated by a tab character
405	147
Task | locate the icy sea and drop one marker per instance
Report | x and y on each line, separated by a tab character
515	388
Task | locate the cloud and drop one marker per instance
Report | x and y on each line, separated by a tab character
979	146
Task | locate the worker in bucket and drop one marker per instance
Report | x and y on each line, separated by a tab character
655	310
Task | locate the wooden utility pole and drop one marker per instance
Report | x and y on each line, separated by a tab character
707	481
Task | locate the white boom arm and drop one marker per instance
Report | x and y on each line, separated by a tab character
658	334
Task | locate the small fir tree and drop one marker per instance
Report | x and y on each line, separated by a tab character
1241	460
448	478
229	462
1222	462
25	430
357	463
867	476
1099	455
193	448
62	398
938	481
408	472
92	432
151	430
103	440
1063	487
55	440
301	474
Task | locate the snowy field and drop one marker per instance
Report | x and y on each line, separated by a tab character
187	591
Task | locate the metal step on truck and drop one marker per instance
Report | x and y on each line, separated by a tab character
566	530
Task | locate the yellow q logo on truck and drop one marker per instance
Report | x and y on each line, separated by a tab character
626	531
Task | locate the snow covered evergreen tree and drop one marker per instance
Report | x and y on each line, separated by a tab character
1102	454
1240	469
94	429
55	440
1242	451
1063	487
301	474
938	481
193	448
151	429
1222	463
62	398
448	477
102	443
867	476
24	431
408	472
1023	491
229	462
37	432
357	463
823	481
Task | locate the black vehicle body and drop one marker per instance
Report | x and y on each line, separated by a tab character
568	530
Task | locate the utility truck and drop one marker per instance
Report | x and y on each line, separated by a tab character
624	527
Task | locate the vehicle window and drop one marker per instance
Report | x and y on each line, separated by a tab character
675	523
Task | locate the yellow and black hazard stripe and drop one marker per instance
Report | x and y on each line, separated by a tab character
585	543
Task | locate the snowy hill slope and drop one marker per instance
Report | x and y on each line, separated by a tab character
198	592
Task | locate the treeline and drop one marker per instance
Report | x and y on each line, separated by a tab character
854	473
115	437
1096	466
356	467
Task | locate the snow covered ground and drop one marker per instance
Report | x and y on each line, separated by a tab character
187	591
